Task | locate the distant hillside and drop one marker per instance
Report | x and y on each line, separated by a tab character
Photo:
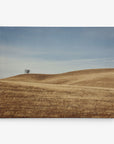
90	77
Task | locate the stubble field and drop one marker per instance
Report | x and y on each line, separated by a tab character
77	94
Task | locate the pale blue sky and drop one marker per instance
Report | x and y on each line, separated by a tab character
55	49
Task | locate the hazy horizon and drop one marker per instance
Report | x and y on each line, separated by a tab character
55	49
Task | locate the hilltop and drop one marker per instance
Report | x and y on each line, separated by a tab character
90	77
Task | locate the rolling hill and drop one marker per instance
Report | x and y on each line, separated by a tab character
84	93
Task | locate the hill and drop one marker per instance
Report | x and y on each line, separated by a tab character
96	77
84	93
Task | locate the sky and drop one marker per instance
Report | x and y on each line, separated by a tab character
55	49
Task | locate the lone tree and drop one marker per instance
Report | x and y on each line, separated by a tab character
27	71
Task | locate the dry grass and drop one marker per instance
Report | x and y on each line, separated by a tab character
86	93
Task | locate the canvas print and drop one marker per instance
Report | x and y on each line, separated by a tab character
56	72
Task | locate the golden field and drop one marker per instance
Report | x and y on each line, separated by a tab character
77	94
